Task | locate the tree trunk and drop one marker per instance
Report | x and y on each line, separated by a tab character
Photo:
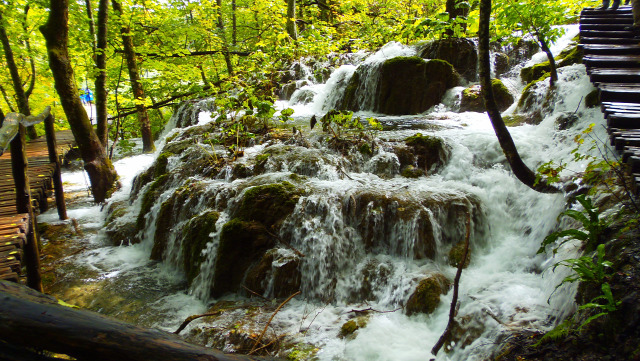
101	77
553	78
291	19
450	8
92	27
136	85
520	170
234	23
102	175
35	320
21	96
223	37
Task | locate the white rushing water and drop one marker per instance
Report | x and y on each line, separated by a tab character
506	279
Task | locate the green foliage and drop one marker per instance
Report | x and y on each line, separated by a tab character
590	219
586	269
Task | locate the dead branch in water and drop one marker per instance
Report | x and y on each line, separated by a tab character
456	283
189	319
367	310
253	349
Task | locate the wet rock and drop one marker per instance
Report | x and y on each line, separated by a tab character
375	276
411	85
411	172
122	233
242	243
303	96
280	268
384	165
522	50
287	90
149	198
156	170
566	120
197	233
592	99
535	97
350	327
268	204
426	297
472	99
459	52
431	153
500	63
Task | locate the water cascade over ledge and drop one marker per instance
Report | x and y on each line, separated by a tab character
350	227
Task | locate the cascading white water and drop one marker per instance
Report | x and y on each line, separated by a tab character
362	260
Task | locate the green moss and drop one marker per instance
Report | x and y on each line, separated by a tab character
411	172
570	56
527	91
426	297
195	240
161	164
468	93
535	72
351	326
365	149
455	255
426	141
592	99
269	203
149	199
303	352
514	120
350	92
262	157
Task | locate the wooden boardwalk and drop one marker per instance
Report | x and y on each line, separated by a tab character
612	57
13	226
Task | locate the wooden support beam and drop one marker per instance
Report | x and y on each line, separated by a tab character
57	174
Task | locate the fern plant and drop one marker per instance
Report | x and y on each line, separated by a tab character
590	219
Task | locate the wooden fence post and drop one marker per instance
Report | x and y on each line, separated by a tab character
19	167
57	174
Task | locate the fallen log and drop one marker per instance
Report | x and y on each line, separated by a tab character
34	320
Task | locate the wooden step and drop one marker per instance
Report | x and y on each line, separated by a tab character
626	19
605	27
623	121
600	40
599	75
611	49
609	34
611	61
624	9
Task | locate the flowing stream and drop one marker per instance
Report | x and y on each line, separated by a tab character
346	268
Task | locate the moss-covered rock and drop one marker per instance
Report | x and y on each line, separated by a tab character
500	63
431	152
411	85
459	52
566	120
242	243
473	100
149	198
353	325
566	57
426	297
194	241
592	99
268	204
303	352
529	98
278	267
287	90
411	172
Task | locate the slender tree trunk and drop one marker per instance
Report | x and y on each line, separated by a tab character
6	99
32	63
223	37
101	76
520	170
136	85
102	175
553	78
234	23
21	95
454	12
291	19
92	27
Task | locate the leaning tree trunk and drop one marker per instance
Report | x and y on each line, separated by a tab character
101	77
102	175
223	37
520	170
136	85
291	19
553	78
21	96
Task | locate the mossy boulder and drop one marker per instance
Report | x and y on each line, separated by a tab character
280	268
426	297
268	204
532	99
472	99
194	240
149	198
592	99
411	172
431	153
242	243
287	90
500	63
566	120
155	171
350	327
566	57
411	85
459	52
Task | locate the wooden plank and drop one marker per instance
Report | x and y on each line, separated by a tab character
611	49
621	19
605	75
611	34
604	40
614	26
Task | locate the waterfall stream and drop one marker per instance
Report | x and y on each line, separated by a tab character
367	238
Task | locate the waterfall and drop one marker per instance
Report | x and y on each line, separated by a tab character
356	234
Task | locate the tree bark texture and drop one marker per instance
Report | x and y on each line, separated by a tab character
19	167
31	319
57	173
101	76
291	19
102	175
92	27
136	85
21	95
553	78
519	168
223	37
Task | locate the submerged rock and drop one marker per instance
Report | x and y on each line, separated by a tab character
276	275
431	153
353	325
426	297
459	52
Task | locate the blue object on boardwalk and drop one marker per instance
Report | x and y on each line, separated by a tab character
87	96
